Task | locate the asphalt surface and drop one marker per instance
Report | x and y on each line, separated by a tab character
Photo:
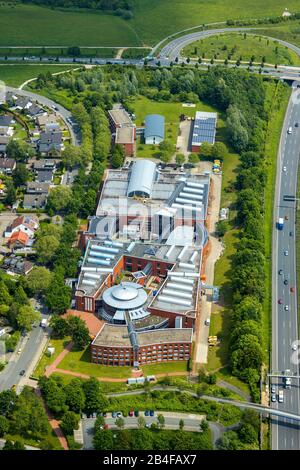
11	374
286	433
57	108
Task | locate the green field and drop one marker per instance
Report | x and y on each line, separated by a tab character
104	52
15	75
152	21
31	25
241	47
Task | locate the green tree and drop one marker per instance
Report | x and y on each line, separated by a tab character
38	280
20	175
103	440
45	248
59	200
219	150
181	424
69	422
19	150
161	421
204	425
75	398
180	159
10	194
206	150
221	228
58	297
141	422
4	425
27	316
71	156
60	327
120	423
94	400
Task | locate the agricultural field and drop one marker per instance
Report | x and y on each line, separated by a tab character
15	75
153	20
243	47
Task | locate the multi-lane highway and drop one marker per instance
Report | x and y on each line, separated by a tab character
286	433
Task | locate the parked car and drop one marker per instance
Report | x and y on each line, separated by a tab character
273	397
285	282
131	413
151	412
114	414
147	413
119	414
104	415
273	389
136	413
294	347
22	372
106	426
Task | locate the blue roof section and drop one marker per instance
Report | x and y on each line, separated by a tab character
155	126
204	128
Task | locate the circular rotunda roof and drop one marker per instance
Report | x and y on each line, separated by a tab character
124	292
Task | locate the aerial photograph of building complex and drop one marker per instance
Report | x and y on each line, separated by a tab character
149	229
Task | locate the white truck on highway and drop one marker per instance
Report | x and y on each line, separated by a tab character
280	395
287	380
290	130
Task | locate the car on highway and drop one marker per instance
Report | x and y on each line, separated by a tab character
285	282
294	347
296	124
280	272
273	397
292	289
291	233
280	301
273	389
19	351
284	169
22	372
286	253
286	308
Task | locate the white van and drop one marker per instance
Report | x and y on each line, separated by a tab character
207	322
290	130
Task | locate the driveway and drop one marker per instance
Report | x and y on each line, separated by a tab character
183	139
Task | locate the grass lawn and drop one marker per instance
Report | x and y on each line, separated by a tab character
242	46
62	28
105	52
79	361
15	75
59	345
225	374
171	111
165	368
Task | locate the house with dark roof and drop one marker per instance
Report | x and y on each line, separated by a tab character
17	265
34	110
7	165
50	141
35	201
36	187
4	139
6	120
44	170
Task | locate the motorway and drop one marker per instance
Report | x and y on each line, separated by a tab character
286	433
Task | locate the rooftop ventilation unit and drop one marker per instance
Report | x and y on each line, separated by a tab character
130	247
191	196
191	184
193	190
182	253
188	201
86	282
176	294
182	280
92	276
101	255
103	262
187	265
111	243
96	270
104	249
185	288
193	257
164	298
170	250
181	206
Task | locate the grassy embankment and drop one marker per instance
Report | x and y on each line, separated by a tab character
241	47
276	102
152	21
14	75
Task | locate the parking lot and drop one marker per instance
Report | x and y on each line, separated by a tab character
191	423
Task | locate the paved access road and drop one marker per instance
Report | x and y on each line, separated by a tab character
286	433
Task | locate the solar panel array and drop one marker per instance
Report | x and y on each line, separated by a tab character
204	128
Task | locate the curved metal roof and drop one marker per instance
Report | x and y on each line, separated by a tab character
126	296
141	178
155	126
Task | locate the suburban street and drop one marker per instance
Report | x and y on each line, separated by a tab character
286	433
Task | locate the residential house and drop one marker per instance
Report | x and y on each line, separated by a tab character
24	223
34	110
7	165
44	119
19	239
4	139
44	170
50	141
17	265
35	201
